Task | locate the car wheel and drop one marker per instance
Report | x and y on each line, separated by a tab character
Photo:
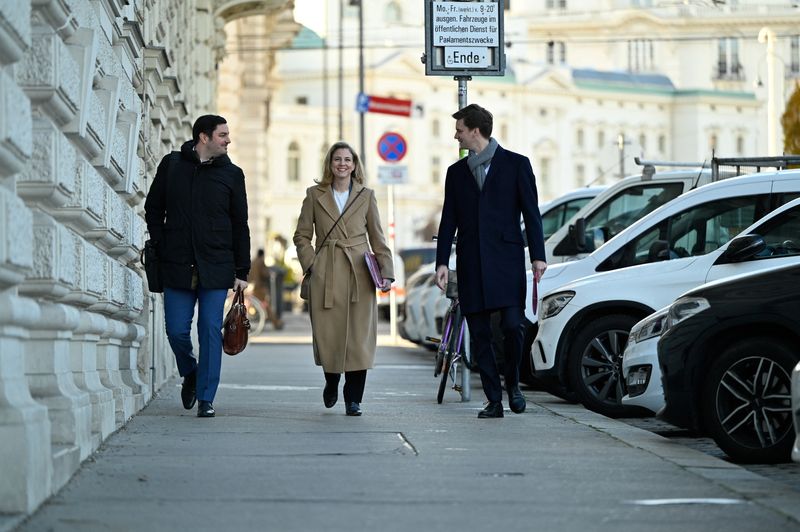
595	364
747	401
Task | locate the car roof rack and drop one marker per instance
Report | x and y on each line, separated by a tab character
650	166
750	165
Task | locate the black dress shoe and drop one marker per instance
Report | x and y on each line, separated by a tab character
188	390
516	401
205	409
330	395
353	409
493	409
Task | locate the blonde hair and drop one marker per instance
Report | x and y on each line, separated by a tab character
356	175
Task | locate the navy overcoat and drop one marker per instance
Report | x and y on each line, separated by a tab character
490	250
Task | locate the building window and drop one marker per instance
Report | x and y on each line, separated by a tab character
436	169
643	142
560	4
393	13
293	162
662	144
580	174
550	52
794	54
712	142
504	131
728	65
301	100
739	145
601	139
579	137
640	55
544	169
435	128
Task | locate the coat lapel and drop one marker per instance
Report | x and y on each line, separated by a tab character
498	161
354	193
326	201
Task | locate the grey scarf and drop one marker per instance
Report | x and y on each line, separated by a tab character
477	162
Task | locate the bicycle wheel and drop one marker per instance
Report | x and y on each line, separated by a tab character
448	360
256	314
443	343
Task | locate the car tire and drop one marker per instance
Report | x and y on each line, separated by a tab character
595	375
747	401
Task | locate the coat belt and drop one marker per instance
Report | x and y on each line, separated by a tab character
344	244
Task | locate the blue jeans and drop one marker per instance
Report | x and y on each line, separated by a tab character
178	313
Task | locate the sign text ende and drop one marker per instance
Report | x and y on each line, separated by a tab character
466	56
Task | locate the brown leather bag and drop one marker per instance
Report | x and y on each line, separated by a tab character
236	326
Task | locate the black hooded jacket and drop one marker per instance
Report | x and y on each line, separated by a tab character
197	214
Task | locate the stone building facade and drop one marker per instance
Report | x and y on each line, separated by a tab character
92	94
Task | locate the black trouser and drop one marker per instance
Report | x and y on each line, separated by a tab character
354	382
480	330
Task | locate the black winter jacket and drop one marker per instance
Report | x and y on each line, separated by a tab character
197	214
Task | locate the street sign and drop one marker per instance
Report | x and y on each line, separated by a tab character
395	174
464	38
392	147
366	103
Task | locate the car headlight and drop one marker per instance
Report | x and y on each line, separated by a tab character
649	327
684	308
552	305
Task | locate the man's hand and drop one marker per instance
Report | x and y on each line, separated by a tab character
539	266
238	283
441	276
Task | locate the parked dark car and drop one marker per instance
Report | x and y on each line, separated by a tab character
727	356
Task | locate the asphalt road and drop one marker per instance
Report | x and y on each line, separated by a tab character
275	458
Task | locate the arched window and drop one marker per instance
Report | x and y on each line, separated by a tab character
293	162
393	12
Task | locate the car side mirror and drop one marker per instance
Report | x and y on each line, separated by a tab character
742	248
578	233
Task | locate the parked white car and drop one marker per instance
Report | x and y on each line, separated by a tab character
559	211
583	326
409	327
619	206
640	371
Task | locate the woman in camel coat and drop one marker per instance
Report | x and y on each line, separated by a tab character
342	305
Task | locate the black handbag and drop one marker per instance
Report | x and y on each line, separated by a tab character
152	268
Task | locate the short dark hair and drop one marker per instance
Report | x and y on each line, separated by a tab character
476	116
206	124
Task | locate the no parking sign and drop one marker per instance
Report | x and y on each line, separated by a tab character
392	147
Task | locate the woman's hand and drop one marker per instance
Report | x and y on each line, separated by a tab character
387	285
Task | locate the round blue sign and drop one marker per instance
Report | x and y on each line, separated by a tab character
392	147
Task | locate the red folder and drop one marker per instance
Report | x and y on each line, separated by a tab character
374	269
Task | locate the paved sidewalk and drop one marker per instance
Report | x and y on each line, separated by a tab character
275	459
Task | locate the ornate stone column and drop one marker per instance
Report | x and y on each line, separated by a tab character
47	365
83	362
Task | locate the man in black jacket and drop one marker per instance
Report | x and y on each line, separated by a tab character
196	212
484	195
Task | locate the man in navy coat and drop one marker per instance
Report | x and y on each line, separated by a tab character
484	195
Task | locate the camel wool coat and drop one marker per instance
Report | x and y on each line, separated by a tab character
341	303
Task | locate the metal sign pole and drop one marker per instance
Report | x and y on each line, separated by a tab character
393	292
466	387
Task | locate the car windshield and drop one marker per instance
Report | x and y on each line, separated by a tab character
627	207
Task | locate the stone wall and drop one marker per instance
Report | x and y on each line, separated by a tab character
92	94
